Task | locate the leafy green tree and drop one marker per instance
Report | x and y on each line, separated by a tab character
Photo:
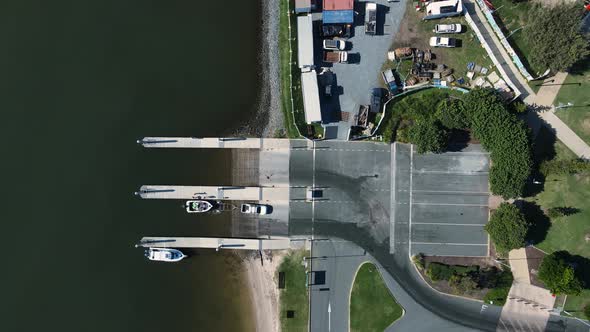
462	284
429	136
505	136
555	36
451	113
558	275
507	228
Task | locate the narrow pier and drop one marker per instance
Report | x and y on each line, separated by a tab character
263	194
215	243
216	143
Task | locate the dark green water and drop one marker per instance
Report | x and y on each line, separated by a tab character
80	82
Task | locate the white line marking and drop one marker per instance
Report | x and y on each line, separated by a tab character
452	244
446	224
450	172
392	207
453	192
410	214
445	204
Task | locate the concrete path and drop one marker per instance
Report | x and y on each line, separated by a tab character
519	265
508	70
544	101
527	308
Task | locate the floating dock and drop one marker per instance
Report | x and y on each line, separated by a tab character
216	143
262	194
215	243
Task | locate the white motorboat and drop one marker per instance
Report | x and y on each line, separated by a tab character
198	206
164	254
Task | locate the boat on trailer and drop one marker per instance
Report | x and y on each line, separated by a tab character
164	254
198	206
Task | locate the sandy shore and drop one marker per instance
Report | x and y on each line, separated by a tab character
264	292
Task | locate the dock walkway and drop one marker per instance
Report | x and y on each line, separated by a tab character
216	143
216	243
262	194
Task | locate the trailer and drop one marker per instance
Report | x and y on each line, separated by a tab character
370	18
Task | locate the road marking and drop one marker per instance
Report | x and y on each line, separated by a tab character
452	244
450	172
410	214
329	316
452	192
392	195
483	308
446	224
445	204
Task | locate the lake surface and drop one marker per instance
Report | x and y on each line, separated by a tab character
81	81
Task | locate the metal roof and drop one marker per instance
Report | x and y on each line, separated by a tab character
304	41
338	4
337	16
311	96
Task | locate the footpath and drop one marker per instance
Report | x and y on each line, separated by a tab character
543	100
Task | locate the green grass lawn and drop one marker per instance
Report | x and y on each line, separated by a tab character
578	116
575	304
568	233
372	307
288	67
294	296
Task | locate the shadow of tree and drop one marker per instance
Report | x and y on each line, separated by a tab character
539	222
580	264
543	150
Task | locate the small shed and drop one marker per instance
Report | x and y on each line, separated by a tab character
441	9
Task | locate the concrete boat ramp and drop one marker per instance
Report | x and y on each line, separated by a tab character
215	243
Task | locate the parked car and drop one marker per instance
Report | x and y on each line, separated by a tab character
334	44
442	42
251	208
447	28
376	98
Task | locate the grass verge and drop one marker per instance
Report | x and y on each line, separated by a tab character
372	307
294	296
575	304
289	69
574	91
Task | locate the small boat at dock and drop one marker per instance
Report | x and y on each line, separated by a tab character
198	206
164	254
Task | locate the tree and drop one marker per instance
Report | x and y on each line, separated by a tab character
429	135
555	36
505	136
558	275
462	283
451	113
507	228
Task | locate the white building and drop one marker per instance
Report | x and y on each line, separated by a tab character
446	8
311	96
305	42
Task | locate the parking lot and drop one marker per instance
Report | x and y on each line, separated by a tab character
441	200
354	81
354	179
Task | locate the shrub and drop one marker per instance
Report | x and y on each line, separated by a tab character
451	113
462	283
419	261
507	228
440	271
587	311
429	136
558	275
518	106
505	137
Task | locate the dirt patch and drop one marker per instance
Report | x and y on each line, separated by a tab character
586	125
534	257
464	261
408	34
551	3
495	201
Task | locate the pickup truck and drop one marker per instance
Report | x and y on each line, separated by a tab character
334	44
447	28
389	79
443	42
370	18
336	57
